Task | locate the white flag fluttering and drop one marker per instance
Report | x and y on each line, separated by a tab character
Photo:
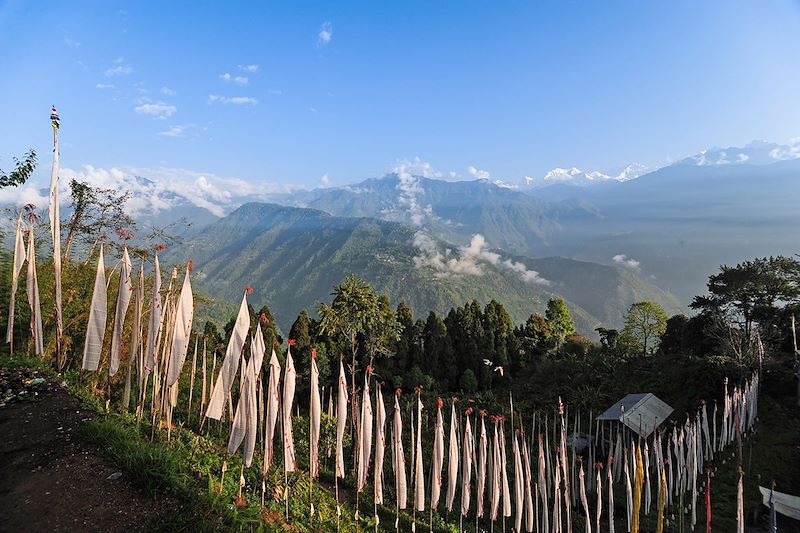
154	322
467	458
96	328
239	425
289	380
519	484
316	413
380	444
483	445
610	484
740	504
419	476
258	350
497	482
18	262
230	365
543	486
244	422
452	460
137	351
55	221
438	457
124	294
182	331
504	471
341	420
32	289
599	503
365	435
628	489
530	516
273	404
398	458
584	501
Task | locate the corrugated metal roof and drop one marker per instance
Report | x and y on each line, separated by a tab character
641	412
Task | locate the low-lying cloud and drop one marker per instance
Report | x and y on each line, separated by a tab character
468	260
627	262
411	189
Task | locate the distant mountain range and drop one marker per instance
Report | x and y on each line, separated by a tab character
579	178
669	228
293	256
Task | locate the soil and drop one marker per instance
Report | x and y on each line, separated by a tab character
52	481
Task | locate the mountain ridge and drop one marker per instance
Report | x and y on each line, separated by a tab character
293	256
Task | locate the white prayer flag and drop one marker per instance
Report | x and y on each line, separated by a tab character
230	364
96	328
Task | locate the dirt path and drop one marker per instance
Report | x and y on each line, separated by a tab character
49	479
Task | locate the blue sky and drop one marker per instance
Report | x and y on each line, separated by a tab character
348	90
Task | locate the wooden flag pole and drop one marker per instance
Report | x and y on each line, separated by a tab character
285	472
338	509
241	480
191	379
310	481
222	477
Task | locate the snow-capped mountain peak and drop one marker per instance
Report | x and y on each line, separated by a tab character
578	177
755	153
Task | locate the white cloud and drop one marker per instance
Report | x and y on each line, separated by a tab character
71	43
627	262
505	184
325	180
248	68
478	173
789	151
29	193
119	69
235	100
325	34
166	91
156	109
410	189
468	259
238	80
104	86
156	189
178	130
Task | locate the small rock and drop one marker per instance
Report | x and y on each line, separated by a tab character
115	475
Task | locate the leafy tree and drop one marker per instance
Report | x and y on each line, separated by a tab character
439	359
95	212
468	382
357	310
750	290
559	320
301	351
23	169
608	337
687	336
301	331
576	345
499	333
272	337
405	340
466	334
645	323
212	336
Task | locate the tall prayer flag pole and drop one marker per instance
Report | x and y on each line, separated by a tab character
55	229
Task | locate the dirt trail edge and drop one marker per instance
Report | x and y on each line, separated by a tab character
50	480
